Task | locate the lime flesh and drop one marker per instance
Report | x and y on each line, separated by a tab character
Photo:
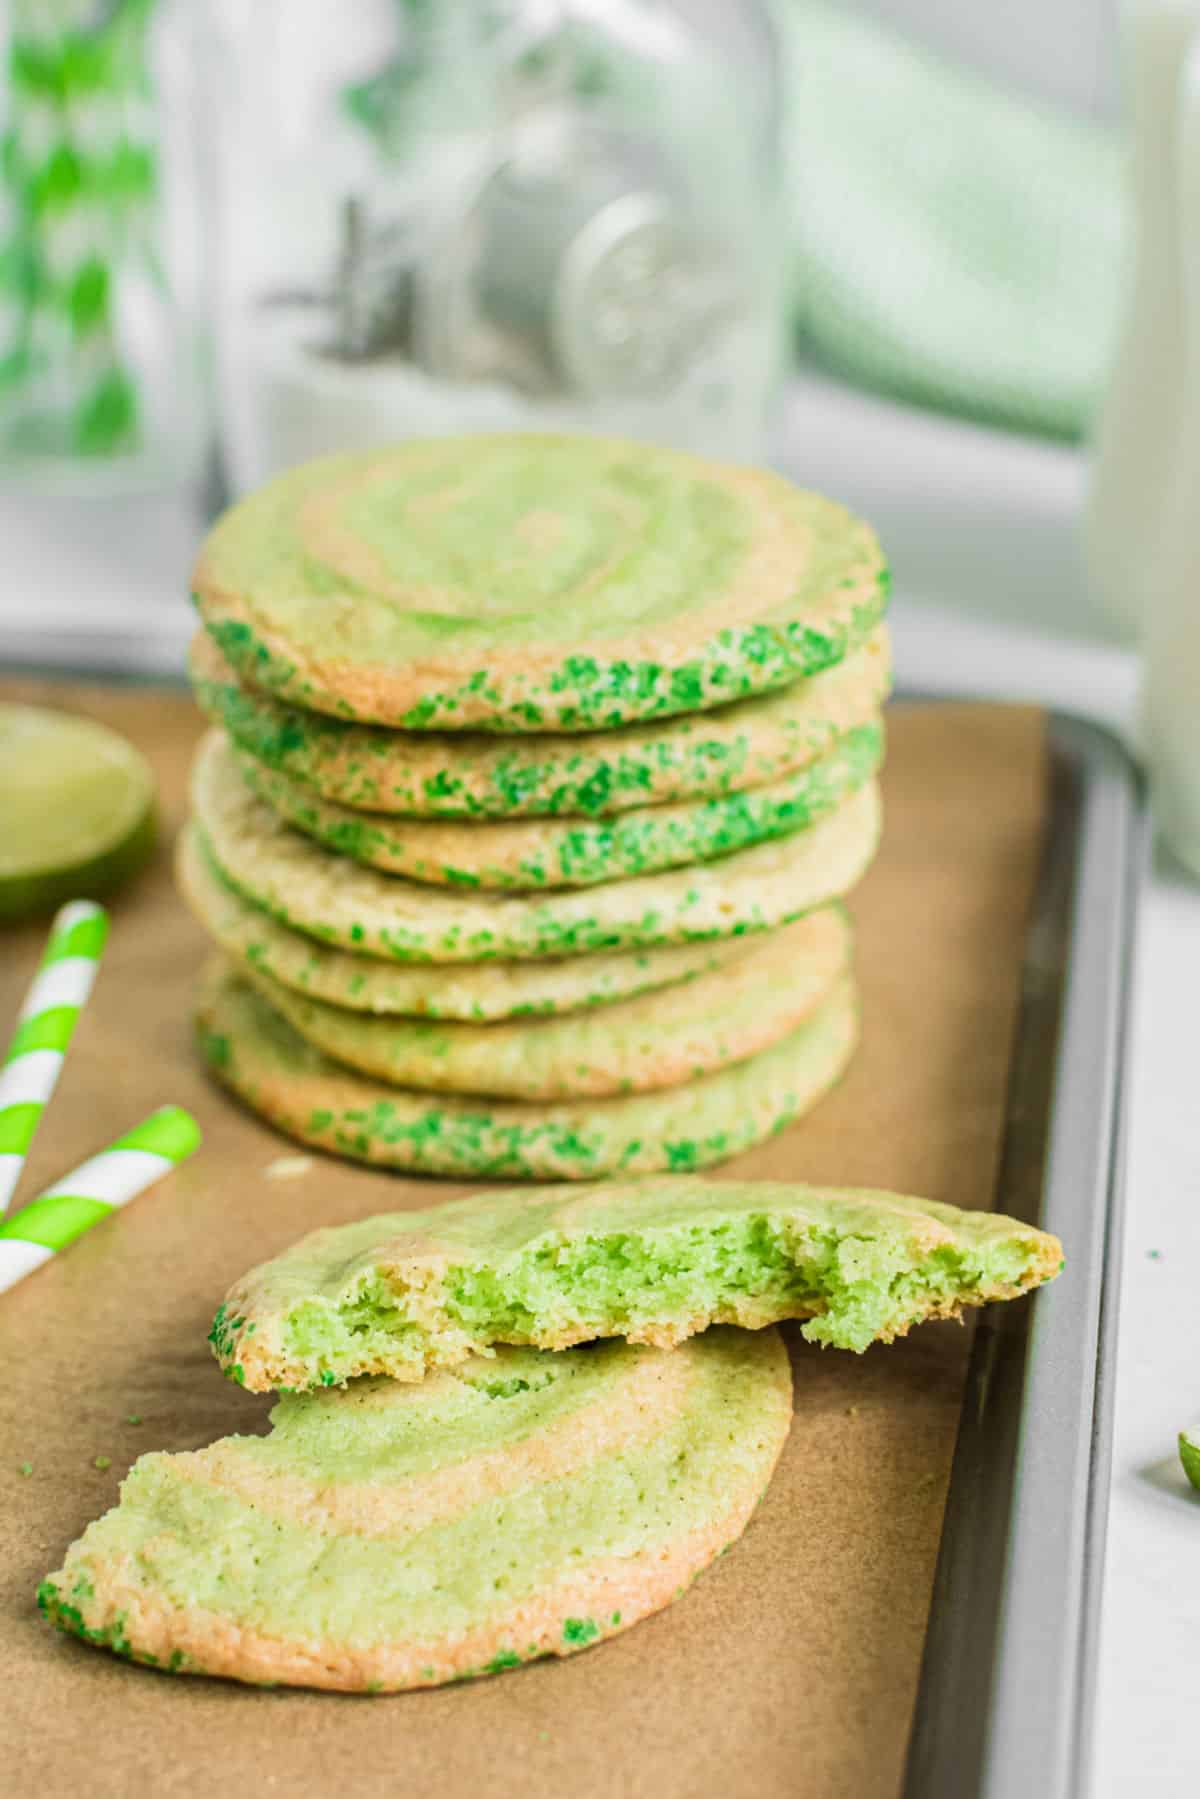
1189	1453
76	810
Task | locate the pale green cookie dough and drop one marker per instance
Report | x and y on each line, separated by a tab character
635	1046
337	901
255	1053
698	755
393	1536
533	583
475	993
652	1261
526	854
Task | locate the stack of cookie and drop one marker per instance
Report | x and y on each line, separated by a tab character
543	765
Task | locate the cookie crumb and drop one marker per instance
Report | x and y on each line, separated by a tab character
926	1483
852	1411
102	1462
288	1168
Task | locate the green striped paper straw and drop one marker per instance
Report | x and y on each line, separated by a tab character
77	183
93	1190
44	1026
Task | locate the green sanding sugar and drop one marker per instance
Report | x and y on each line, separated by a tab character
527	583
323	1103
524	855
474	776
309	888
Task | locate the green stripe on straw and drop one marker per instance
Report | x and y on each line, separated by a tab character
17	1125
33	1059
48	1030
95	1189
86	937
55	1220
171	1132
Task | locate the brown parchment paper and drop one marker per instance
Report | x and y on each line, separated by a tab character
791	1666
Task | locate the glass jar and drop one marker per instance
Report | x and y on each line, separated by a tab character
100	369
433	216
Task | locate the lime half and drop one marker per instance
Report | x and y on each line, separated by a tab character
76	810
1189	1453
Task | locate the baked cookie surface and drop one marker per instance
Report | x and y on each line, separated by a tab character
254	1052
475	993
528	855
634	1046
303	885
590	775
390	1536
529	582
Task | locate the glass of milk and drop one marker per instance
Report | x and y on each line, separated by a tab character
1170	719
1142	529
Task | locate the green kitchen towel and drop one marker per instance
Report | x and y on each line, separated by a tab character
951	243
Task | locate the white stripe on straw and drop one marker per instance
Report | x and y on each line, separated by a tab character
90	1192
44	1025
65	983
17	1259
30	1078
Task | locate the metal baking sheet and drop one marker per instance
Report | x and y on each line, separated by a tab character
1004	1709
1004	1704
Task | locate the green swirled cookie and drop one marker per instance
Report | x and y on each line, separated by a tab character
392	1536
634	1046
652	1261
339	902
252	1050
526	854
533	583
476	993
699	755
